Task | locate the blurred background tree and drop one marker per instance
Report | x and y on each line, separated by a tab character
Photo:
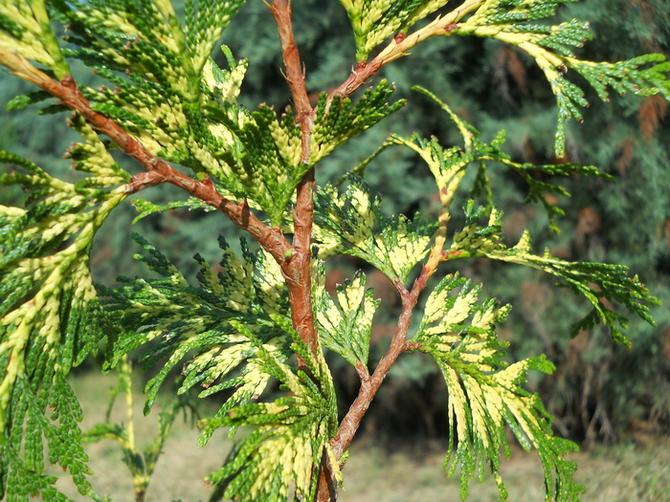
600	391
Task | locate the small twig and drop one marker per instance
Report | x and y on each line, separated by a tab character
144	180
399	47
399	344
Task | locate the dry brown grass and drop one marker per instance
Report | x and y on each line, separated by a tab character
406	473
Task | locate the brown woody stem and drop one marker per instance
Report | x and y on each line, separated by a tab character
400	47
361	73
399	343
299	278
369	386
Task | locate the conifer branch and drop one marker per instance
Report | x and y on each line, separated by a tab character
271	239
299	276
399	344
300	281
400	47
261	318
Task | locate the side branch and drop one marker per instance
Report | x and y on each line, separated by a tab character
400	47
399	344
299	279
158	170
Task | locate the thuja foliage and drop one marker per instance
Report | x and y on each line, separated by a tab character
254	330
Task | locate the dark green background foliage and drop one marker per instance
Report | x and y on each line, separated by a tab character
600	391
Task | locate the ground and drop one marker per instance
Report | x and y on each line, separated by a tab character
375	473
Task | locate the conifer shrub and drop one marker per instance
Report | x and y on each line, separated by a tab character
255	329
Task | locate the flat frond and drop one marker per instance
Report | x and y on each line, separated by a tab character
198	325
205	21
147	208
523	24
51	319
232	334
352	223
25	32
485	392
342	119
286	439
162	75
448	164
345	321
604	285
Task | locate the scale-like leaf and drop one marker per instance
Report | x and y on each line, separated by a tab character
342	119
162	75
265	151
352	223
518	23
374	21
205	21
345	322
448	165
50	318
25	33
199	324
147	208
287	438
604	285
485	393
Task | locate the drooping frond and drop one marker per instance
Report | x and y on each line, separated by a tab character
352	223
521	23
375	21
199	325
23	463
448	164
50	318
485	392
287	438
345	322
232	332
604	285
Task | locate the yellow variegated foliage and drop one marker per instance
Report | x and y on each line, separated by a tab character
485	395
25	32
64	274
345	322
50	317
201	325
375	21
280	457
352	223
607	287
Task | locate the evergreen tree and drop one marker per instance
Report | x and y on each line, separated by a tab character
266	316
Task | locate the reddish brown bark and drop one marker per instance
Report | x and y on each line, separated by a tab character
299	279
369	386
400	46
